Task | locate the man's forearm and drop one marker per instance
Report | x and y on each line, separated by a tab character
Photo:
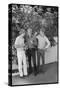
47	45
19	46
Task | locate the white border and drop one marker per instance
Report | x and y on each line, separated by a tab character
4	42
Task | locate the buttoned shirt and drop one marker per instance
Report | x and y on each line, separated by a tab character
43	42
19	42
31	41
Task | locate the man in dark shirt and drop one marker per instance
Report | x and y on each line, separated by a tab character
31	51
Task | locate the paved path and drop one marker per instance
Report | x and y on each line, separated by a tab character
50	76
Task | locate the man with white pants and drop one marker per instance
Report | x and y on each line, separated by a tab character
19	45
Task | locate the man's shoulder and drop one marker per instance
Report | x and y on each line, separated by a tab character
45	37
18	38
37	36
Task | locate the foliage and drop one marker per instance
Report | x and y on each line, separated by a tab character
24	16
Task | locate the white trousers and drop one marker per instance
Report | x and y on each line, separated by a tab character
22	63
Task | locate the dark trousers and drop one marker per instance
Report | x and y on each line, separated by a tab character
40	53
32	53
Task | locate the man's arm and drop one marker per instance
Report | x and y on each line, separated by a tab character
48	42
19	46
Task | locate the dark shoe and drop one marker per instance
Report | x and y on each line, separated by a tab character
26	76
37	69
29	72
42	71
35	73
21	77
38	72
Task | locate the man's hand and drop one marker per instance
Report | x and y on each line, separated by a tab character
45	49
35	33
19	46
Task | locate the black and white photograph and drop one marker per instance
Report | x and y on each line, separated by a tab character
33	44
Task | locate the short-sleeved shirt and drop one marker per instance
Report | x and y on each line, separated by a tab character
42	41
19	41
32	42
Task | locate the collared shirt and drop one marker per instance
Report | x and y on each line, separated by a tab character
19	41
43	42
32	42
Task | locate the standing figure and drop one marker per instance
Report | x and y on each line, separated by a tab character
19	45
43	44
31	51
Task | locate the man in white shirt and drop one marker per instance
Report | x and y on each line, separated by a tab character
19	45
43	44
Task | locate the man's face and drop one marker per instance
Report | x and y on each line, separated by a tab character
29	31
41	33
22	33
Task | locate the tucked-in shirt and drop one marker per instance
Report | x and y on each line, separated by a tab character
43	42
32	42
19	41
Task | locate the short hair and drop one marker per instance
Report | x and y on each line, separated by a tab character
29	28
42	29
22	31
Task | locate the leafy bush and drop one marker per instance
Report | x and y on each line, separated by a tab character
24	16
